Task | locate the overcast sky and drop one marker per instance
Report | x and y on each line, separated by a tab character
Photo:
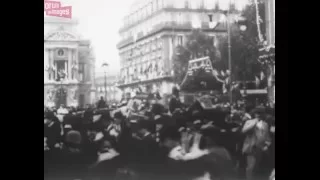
99	21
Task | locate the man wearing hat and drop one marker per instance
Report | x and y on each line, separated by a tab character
52	130
72	162
257	140
115	127
101	103
108	161
175	103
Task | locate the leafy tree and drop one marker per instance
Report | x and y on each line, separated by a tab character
244	46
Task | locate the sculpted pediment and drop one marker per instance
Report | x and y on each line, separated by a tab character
61	36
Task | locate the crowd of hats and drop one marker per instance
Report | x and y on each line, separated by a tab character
193	118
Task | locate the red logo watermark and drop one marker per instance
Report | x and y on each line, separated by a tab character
54	8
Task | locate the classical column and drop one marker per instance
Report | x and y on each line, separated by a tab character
76	56
66	69
53	63
46	65
70	59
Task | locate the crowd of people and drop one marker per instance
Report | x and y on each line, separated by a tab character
147	141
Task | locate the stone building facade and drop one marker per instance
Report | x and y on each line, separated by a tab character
68	64
150	34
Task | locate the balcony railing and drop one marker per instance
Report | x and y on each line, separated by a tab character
171	26
142	79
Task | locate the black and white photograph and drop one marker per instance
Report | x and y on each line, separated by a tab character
159	90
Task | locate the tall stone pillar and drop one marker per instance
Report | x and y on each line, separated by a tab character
53	63
76	51
70	56
46	65
66	69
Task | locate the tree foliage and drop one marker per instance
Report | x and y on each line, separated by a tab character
244	48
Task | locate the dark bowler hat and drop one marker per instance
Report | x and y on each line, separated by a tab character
145	124
119	115
160	119
73	137
49	115
170	133
157	109
175	90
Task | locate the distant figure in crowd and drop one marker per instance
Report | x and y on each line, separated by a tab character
175	103
62	110
71	161
101	103
108	161
52	130
115	127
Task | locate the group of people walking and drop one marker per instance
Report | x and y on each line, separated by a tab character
154	142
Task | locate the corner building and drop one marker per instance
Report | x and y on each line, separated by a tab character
68	65
150	34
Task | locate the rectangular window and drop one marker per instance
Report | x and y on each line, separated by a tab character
167	3
195	4
223	5
210	4
179	4
213	40
159	4
150	8
81	100
180	18
180	40
88	72
154	8
159	43
81	71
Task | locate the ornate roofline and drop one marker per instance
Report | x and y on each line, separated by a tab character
60	20
66	35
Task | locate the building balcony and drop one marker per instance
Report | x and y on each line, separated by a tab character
169	9
125	41
171	26
143	80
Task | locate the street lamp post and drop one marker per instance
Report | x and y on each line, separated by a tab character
105	66
229	54
239	5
